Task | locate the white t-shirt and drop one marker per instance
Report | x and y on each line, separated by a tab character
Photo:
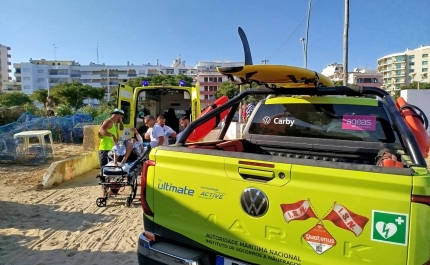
179	136
157	132
166	138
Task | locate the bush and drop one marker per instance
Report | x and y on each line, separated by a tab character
30	107
96	111
63	110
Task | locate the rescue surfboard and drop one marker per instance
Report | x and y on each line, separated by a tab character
280	75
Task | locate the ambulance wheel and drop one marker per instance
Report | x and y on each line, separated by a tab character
134	189
101	202
128	201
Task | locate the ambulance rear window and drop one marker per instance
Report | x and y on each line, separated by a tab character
326	121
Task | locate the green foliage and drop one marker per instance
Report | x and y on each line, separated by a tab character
30	107
13	99
97	111
227	89
73	94
40	96
63	110
414	85
172	80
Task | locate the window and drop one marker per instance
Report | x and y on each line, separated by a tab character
324	121
40	79
26	87
40	71
400	58
411	57
425	62
411	70
424	70
220	79
25	70
205	79
125	106
26	78
411	63
206	88
398	72
425	55
425	76
211	79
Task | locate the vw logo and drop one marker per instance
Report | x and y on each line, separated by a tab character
254	202
266	120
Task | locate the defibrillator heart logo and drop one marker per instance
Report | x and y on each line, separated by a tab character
386	230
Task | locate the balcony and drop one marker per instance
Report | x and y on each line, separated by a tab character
9	56
131	75
8	48
9	63
75	75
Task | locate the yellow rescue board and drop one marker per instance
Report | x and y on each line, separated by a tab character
279	75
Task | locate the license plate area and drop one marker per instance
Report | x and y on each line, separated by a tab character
220	260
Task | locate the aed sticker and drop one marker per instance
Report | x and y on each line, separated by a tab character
359	122
319	239
389	227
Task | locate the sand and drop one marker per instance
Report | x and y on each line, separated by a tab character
63	225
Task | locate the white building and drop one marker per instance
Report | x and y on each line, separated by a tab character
400	69
209	79
333	71
38	74
4	65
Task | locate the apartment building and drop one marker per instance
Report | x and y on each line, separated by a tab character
333	71
400	69
359	76
209	79
39	74
4	65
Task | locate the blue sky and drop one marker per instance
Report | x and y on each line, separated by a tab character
142	31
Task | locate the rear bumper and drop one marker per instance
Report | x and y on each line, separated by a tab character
153	253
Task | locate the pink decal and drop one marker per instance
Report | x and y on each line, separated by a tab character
359	122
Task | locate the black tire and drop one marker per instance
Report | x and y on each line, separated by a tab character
101	202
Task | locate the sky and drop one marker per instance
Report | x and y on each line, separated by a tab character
142	31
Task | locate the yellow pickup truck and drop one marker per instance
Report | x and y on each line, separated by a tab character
321	175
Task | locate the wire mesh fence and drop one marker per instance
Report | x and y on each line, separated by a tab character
67	129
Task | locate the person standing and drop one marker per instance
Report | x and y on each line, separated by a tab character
243	112
109	134
168	132
156	134
249	109
50	107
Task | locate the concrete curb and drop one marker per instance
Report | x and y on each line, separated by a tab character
67	169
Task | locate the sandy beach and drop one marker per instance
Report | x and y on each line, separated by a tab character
63	225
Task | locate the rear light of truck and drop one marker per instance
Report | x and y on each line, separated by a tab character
421	199
145	206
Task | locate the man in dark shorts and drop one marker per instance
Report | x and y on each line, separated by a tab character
109	134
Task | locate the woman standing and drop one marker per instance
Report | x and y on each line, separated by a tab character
50	107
